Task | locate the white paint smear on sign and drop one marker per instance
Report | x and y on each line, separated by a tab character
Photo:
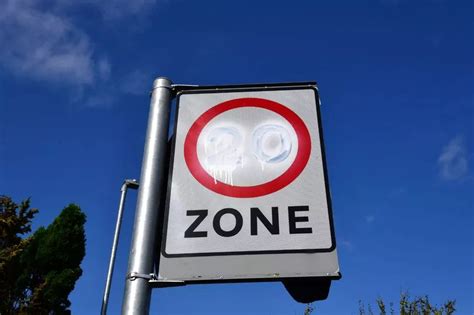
247	152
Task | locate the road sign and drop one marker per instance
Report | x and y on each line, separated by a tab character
248	195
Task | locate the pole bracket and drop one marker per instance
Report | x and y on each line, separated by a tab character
147	276
175	88
154	281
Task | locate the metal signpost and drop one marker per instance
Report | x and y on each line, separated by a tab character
128	183
247	197
152	181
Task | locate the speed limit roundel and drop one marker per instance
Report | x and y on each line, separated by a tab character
214	151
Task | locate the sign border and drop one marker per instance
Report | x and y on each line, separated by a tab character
258	190
247	88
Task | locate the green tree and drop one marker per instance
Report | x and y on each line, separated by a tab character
39	272
15	222
308	309
407	306
411	306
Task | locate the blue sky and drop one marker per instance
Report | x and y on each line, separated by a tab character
396	82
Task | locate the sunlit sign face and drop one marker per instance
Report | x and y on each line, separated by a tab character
247	176
247	147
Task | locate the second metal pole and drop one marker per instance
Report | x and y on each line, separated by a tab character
137	289
132	183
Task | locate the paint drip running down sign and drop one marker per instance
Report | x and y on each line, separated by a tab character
225	150
248	175
247	147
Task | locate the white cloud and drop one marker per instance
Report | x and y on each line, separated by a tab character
40	40
110	9
137	83
452	162
113	9
103	67
348	244
39	44
369	219
100	100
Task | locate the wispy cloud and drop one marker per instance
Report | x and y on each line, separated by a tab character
42	45
104	68
101	99
348	245
41	40
114	9
137	82
453	162
369	219
109	10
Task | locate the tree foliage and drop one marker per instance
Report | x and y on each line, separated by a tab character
39	271
308	309
410	306
407	306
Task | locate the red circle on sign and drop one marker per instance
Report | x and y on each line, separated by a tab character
295	169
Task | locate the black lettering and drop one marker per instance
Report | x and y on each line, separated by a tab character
292	218
201	215
273	227
217	222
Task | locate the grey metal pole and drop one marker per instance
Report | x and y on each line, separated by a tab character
132	183
140	263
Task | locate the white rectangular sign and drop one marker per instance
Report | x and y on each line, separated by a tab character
248	175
